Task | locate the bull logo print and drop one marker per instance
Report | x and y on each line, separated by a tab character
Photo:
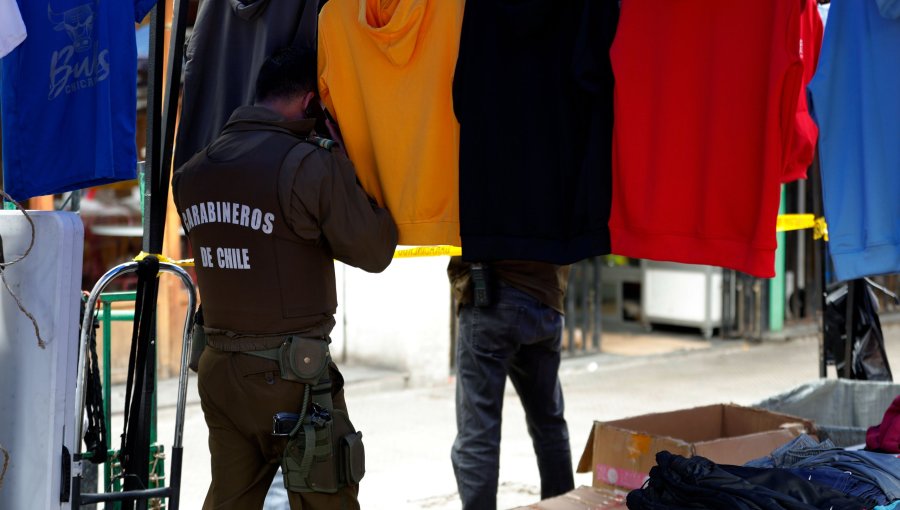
81	64
77	22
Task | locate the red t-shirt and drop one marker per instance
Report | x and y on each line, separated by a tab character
705	102
803	145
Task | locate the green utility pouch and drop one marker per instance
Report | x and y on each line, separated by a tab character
353	458
198	340
303	359
315	462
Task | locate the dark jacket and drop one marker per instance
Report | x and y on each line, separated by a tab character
230	41
533	93
266	210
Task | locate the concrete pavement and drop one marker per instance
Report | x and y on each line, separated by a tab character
409	431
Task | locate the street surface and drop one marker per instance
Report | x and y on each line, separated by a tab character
408	432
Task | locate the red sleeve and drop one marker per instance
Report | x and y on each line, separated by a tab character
805	133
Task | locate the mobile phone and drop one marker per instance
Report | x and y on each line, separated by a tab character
315	111
335	130
481	281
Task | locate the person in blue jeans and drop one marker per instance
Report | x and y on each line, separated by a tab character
510	325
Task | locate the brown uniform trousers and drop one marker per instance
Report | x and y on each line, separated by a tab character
239	394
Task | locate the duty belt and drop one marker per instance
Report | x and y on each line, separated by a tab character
248	344
263	346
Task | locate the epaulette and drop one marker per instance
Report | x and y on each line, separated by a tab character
324	143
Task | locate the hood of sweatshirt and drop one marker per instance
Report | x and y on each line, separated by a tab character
394	26
248	9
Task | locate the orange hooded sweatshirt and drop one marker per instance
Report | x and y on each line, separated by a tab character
386	73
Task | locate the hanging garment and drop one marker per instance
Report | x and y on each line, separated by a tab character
855	102
803	143
12	28
533	94
385	73
229	43
706	96
69	97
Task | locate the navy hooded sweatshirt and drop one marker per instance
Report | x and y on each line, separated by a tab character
533	93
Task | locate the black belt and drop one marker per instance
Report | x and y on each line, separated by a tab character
248	344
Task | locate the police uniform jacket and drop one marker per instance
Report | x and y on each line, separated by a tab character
267	209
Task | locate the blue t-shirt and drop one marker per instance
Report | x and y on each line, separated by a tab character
856	103
68	96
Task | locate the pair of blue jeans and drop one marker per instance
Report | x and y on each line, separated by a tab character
518	337
880	469
843	481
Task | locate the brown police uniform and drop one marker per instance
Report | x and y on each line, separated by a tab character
267	208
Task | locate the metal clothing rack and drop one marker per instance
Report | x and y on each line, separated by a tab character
141	496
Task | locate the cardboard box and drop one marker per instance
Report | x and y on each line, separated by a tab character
582	498
620	453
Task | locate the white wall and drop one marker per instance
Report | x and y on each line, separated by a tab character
398	319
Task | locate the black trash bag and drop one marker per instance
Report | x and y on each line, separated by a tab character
869	360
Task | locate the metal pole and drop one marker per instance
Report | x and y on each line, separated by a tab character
598	304
820	259
803	240
821	256
848	327
152	233
570	311
107	382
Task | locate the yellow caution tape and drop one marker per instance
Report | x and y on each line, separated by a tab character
786	223
400	253
789	222
427	251
820	230
162	258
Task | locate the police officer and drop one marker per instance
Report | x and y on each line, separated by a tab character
267	207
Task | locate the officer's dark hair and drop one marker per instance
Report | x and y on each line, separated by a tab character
287	73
